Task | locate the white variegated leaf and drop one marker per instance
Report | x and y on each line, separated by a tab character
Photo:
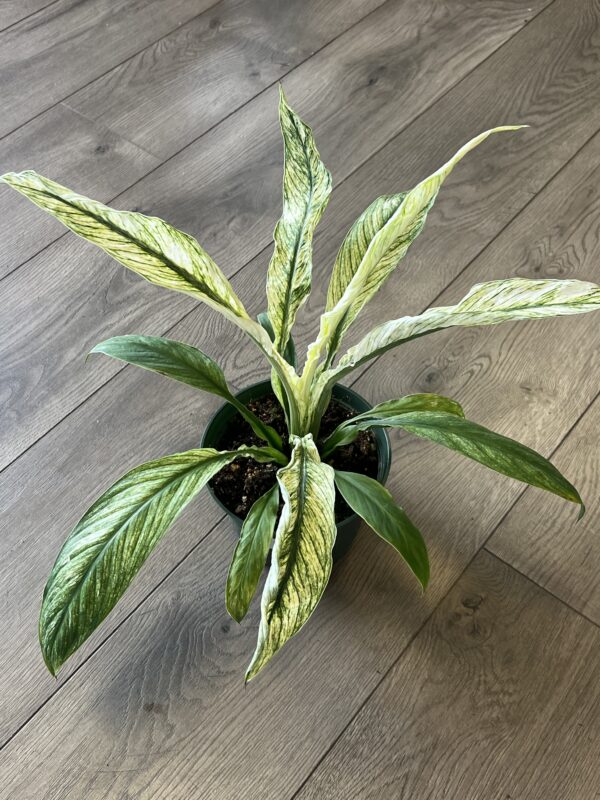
486	304
356	244
147	245
387	238
155	250
301	560
111	542
306	190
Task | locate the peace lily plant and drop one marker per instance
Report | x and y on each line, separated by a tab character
296	517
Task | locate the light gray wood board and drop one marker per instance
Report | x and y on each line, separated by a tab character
543	544
85	156
62	143
497	697
457	504
175	90
49	55
12	11
233	183
259	42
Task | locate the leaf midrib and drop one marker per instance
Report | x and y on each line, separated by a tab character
296	529
109	543
180	271
300	237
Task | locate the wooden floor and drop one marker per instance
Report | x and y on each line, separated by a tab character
488	686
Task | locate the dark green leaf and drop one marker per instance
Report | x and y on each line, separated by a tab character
383	416
184	363
372	501
251	553
491	449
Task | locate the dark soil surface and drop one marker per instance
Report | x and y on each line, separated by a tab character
241	483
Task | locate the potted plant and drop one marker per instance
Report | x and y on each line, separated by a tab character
300	440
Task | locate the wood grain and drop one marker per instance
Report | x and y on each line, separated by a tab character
498	697
182	103
12	11
46	57
501	376
176	89
224	189
86	155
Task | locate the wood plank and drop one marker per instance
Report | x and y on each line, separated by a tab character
496	698
84	154
200	666
562	557
46	57
165	67
12	11
176	89
232	181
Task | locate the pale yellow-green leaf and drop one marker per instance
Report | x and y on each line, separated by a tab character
373	248
155	250
352	252
486	304
302	554
306	190
147	245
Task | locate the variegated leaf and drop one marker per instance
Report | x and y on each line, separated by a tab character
147	245
486	304
290	349
113	539
155	250
379	242
384	414
351	254
306	190
251	553
184	363
302	554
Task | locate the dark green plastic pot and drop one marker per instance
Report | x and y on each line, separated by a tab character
347	528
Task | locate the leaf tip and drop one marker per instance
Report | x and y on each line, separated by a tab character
234	613
282	97
12	178
8	178
51	664
581	510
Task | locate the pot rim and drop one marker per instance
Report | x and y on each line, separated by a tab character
343	394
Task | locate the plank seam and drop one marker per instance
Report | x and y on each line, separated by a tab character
23	19
96	125
483	546
114	66
544	589
450	88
